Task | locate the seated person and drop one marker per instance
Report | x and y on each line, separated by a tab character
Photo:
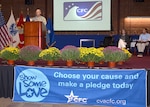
124	41
143	41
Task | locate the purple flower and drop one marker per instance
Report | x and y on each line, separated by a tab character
70	52
69	47
112	49
30	52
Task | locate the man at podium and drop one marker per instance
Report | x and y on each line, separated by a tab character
41	38
39	16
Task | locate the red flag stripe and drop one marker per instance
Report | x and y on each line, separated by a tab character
8	36
2	40
4	36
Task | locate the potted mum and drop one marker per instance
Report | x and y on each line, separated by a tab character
70	53
50	55
10	54
102	58
30	54
90	55
112	55
127	54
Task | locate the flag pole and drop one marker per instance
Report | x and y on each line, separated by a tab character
11	11
0	6
28	11
21	11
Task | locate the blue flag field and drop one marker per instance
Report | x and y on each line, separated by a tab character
50	33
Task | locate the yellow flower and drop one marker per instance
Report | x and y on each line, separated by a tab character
127	52
11	53
51	53
101	49
91	54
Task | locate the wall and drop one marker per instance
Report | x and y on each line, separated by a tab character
19	5
120	10
130	8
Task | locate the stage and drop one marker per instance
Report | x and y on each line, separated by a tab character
133	63
136	63
6	74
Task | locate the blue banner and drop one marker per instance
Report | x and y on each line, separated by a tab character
103	87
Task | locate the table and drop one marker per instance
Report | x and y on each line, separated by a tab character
6	81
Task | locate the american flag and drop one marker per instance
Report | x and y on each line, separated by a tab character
95	12
4	35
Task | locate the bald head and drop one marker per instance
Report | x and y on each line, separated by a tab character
38	12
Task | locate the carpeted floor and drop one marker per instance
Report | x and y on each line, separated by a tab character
136	62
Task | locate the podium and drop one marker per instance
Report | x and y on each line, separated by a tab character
33	34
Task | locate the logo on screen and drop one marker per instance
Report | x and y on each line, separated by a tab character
32	85
75	99
88	11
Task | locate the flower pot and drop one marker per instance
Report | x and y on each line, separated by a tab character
83	63
90	64
50	63
1	60
101	62
30	63
112	64
69	63
120	63
10	62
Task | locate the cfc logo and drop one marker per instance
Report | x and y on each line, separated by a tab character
88	10
75	99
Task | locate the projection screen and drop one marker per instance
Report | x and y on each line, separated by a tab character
82	15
